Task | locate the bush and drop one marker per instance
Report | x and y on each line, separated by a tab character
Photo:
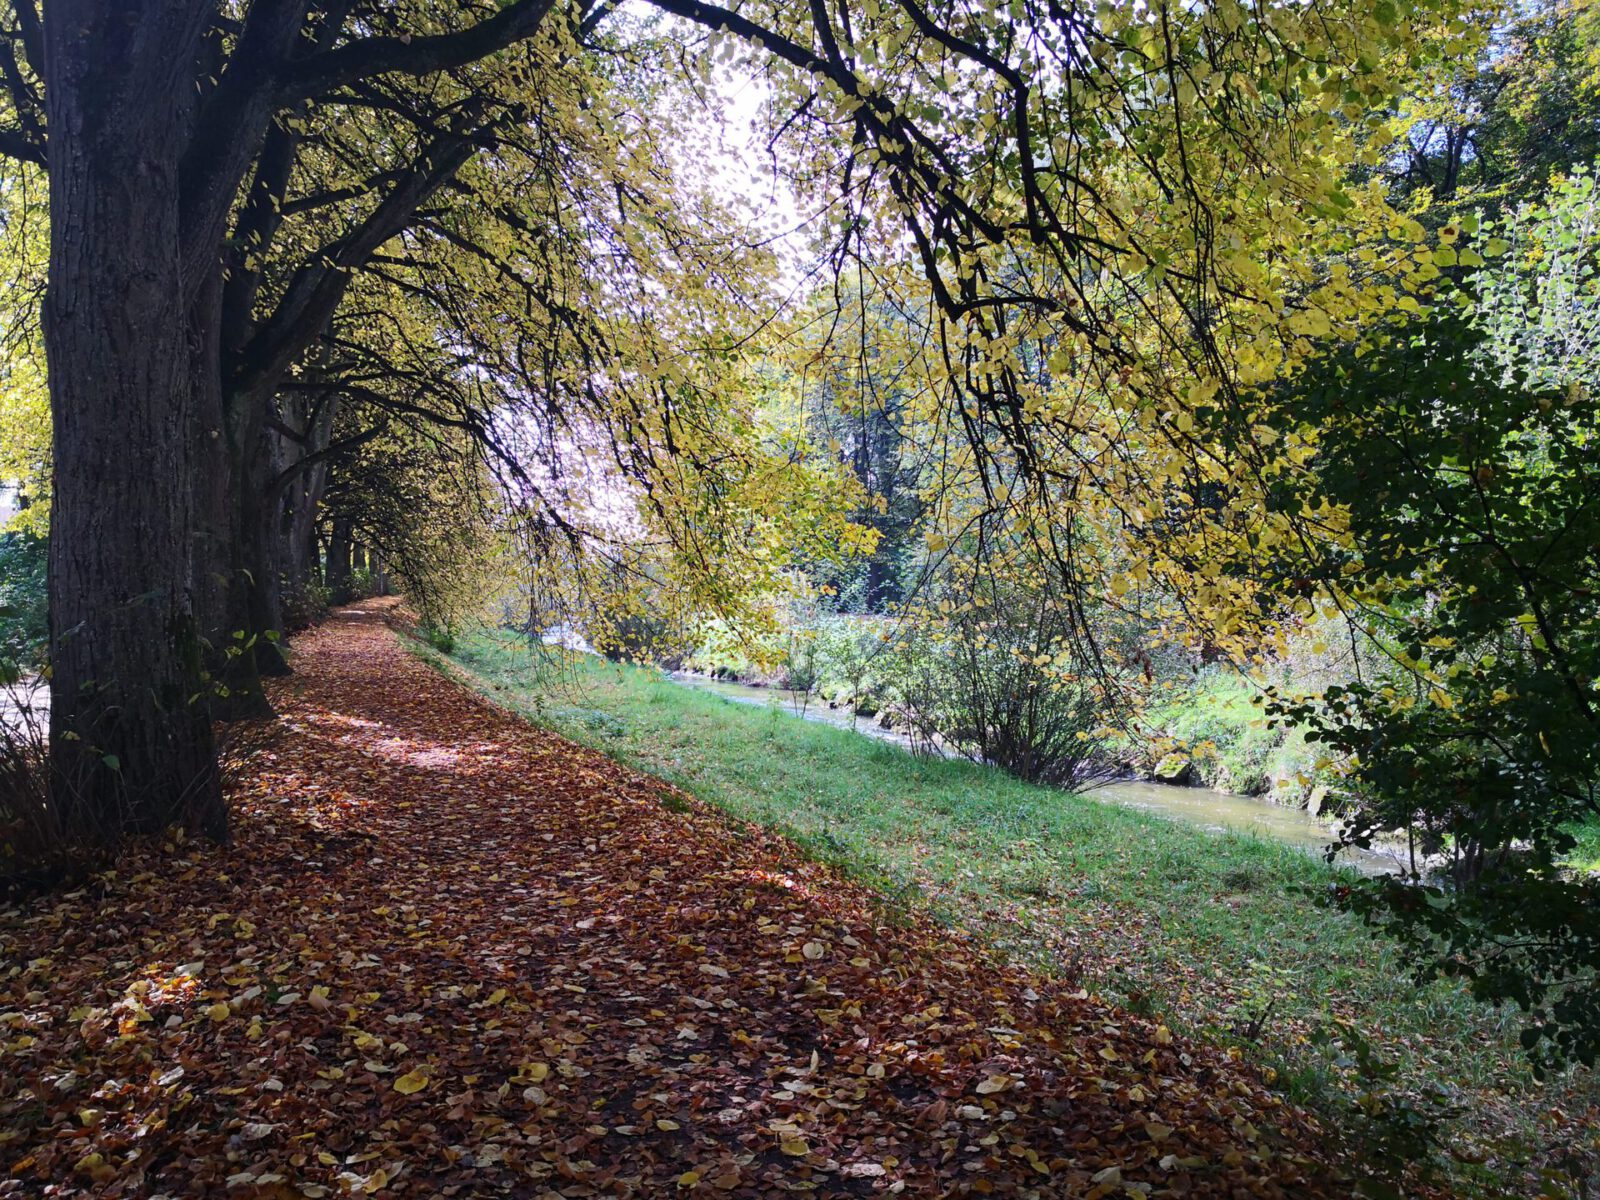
851	659
995	678
24	599
1482	543
441	638
305	607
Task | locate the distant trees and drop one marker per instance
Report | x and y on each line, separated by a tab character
24	615
1527	108
855	369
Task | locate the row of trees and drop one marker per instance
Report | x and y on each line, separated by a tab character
248	205
309	265
342	264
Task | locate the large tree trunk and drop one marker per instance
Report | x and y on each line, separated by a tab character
130	724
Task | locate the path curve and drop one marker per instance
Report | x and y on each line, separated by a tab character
451	955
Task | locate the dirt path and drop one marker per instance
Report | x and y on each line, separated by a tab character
449	955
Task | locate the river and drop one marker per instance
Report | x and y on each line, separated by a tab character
1215	812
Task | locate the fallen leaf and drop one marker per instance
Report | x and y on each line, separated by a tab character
411	1082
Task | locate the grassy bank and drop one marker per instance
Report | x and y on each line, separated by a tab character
1212	932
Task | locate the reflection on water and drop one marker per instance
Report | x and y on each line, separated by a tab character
1222	811
813	708
1216	812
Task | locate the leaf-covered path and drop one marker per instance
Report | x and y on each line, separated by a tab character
450	955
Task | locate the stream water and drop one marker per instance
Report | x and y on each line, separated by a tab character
1215	812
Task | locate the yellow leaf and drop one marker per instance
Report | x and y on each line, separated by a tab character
993	1084
688	1179
411	1081
219	1011
496	996
794	1146
667	1125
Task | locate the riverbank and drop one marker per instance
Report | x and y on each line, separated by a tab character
1215	934
1208	808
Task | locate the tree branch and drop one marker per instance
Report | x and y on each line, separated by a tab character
15	144
285	477
353	61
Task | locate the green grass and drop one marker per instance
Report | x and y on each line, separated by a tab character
1585	855
1214	934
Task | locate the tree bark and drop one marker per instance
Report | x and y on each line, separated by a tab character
156	111
257	563
339	562
130	725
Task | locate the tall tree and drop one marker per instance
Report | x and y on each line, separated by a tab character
1499	126
153	117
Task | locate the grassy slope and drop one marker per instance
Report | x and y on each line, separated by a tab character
1203	929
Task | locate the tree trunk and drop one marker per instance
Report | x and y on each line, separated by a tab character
303	496
221	585
258	567
130	725
338	574
302	532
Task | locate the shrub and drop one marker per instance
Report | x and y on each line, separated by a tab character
996	678
441	638
1482	543
305	606
24	600
851	657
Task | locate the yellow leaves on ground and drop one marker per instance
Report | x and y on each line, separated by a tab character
411	1082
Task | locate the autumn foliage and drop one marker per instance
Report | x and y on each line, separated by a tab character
449	954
